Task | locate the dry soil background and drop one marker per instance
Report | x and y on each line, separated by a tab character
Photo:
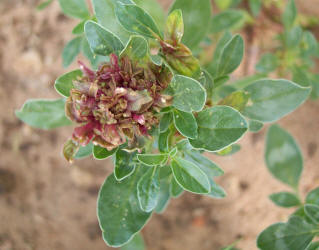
45	204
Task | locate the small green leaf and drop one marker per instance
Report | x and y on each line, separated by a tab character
218	127
195	14
71	50
310	43
93	58
290	14
300	76
75	8
137	49
102	41
163	141
292	37
283	156
136	20
100	153
296	234
148	189
255	6
164	196
136	243
175	26
313	197
124	164
207	82
64	83
226	20
230	150
205	164
231	56
255	126
153	159
236	100
270	100
189	176
267	63
185	123
312	211
165	122
84	151
285	199
44	4
313	246
216	191
188	94
79	28
213	65
105	14
43	114
119	212
175	189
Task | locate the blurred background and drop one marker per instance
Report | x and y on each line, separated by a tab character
45	203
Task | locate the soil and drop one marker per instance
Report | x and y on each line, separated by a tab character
47	204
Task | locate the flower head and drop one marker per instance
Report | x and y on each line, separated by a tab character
116	104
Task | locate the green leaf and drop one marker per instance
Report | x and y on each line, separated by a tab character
230	150
293	37
213	65
175	26
205	164
154	9
43	114
207	82
102	41
175	189
313	246
148	189
119	212
75	8
312	211
189	176
163	141
136	243
216	191
309	42
93	58
290	14
218	127
185	123
124	164
195	14
270	100
164	196
313	197
44	4
100	153
64	83
136	20
283	156
137	49
255	126
300	76
236	100
71	50
84	151
226	20
188	94
296	234
79	28
267	63
231	56
285	199
153	159
255	6
104	11
165	122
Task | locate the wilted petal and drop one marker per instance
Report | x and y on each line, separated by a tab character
86	71
84	134
70	149
139	119
139	101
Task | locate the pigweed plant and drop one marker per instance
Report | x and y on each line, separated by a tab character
149	102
